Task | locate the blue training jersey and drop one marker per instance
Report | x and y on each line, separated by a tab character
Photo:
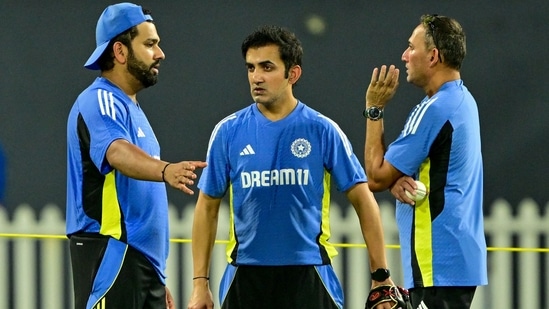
442	237
277	175
99	198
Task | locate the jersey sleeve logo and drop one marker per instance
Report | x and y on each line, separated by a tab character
301	148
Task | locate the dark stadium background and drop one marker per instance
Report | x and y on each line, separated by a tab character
45	43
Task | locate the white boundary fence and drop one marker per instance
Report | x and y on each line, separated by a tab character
34	271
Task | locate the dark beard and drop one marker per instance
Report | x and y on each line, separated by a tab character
141	71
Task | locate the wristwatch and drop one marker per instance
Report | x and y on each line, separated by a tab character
381	274
373	113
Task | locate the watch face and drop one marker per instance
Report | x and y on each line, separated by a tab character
373	113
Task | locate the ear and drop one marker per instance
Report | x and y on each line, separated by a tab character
434	56
120	52
294	74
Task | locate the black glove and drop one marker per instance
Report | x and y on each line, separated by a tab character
389	293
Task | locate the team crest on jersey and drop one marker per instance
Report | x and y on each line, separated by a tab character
301	148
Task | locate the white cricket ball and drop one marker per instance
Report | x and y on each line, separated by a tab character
421	192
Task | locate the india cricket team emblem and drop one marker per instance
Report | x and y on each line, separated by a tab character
301	148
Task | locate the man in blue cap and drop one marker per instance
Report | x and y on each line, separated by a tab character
117	207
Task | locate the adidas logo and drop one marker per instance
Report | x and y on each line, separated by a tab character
248	150
140	132
422	306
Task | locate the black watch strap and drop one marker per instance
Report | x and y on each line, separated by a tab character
381	274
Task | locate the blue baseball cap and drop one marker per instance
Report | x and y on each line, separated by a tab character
114	20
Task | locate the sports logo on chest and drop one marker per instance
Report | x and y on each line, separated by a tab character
301	148
281	177
266	171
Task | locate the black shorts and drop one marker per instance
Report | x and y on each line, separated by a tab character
453	297
108	273
276	287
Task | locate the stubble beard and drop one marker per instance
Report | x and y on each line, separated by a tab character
266	100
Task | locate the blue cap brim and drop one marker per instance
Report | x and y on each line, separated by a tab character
92	61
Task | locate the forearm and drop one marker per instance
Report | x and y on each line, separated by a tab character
369	217
374	239
203	233
133	162
383	85
374	151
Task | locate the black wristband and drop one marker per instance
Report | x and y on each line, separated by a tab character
381	274
164	170
201	277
